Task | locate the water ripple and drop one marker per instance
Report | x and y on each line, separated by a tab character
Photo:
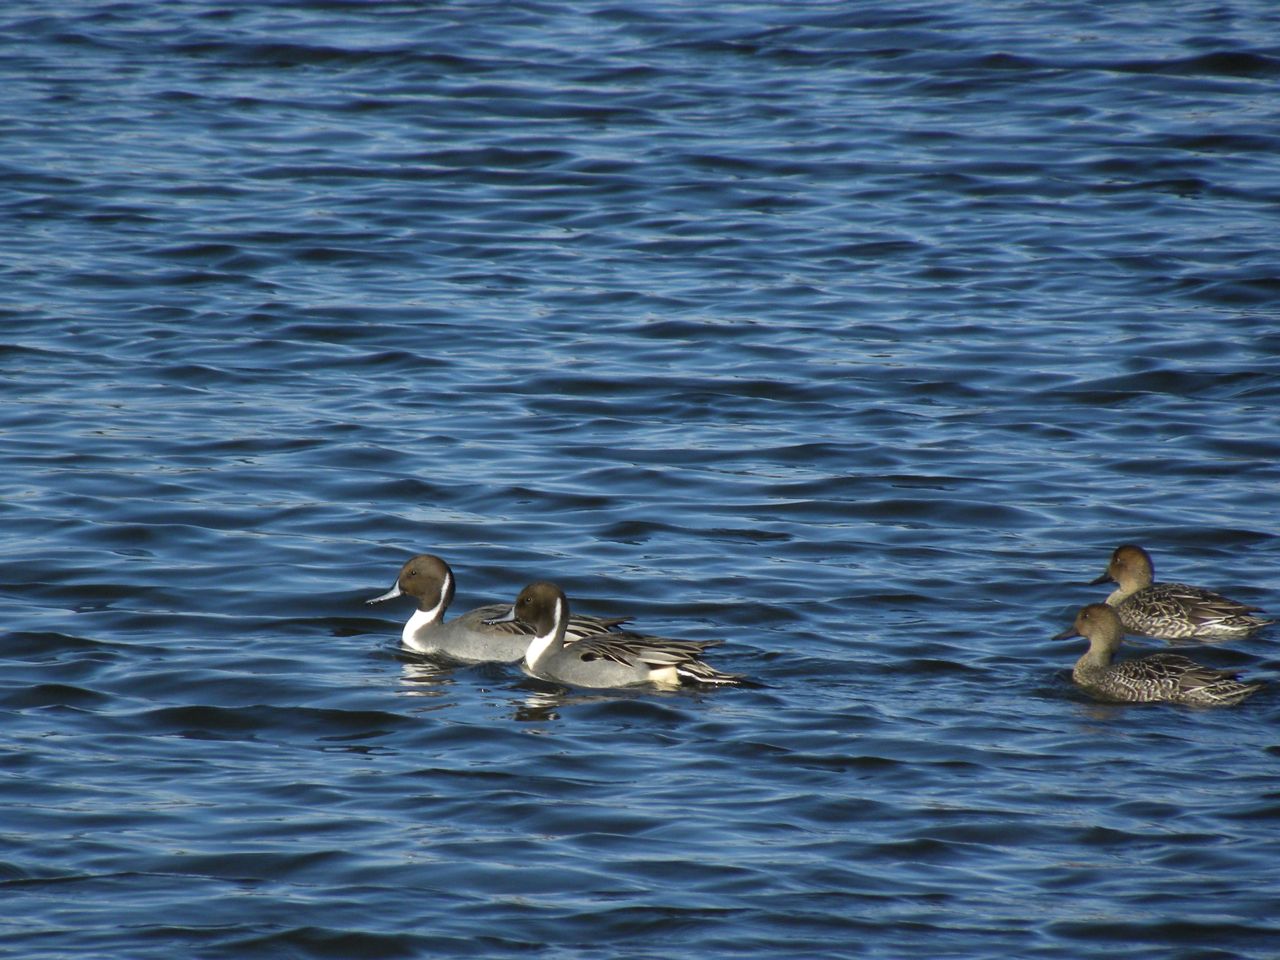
854	338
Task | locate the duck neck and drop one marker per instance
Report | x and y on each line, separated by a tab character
1097	658
548	643
422	620
1122	592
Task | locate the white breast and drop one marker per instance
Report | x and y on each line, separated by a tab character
539	646
422	620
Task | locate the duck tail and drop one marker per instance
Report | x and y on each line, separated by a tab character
1239	691
695	671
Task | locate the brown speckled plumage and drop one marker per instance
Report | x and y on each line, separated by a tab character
1167	677
1172	611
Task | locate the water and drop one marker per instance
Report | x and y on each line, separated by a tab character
854	335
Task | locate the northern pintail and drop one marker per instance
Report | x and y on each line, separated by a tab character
1168	677
473	636
1172	611
606	660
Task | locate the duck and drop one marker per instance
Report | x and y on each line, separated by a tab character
1172	611
475	636
1159	677
603	660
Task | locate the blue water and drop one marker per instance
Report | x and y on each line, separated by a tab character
856	335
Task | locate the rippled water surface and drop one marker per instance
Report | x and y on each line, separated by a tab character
856	335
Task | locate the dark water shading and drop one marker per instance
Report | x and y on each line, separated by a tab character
854	335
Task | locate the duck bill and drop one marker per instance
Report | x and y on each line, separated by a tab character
1067	634
389	595
507	617
1102	579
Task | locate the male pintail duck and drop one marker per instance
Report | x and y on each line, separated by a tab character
1172	611
473	636
607	659
1168	677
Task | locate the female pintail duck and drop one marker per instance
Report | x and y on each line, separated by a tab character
473	636
1172	611
1167	677
606	659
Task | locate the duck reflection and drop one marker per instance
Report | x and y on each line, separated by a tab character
544	701
423	677
529	699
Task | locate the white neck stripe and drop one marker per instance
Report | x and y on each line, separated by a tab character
422	620
540	646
